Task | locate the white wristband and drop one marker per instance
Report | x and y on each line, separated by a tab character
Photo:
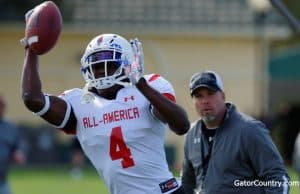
46	106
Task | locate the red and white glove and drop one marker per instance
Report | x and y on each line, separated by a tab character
137	67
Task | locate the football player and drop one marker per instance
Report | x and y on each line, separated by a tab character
119	116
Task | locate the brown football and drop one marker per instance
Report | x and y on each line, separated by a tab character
43	27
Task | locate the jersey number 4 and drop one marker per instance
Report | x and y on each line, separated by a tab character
118	148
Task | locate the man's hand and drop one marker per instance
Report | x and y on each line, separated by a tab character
24	42
137	67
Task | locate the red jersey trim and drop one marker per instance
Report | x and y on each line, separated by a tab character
170	96
153	77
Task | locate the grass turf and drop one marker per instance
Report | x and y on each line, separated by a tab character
57	180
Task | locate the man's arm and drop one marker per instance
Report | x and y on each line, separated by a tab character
265	158
165	109
33	97
18	154
296	155
188	179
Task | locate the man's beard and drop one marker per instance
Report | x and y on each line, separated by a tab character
208	118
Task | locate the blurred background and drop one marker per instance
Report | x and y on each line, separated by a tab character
250	43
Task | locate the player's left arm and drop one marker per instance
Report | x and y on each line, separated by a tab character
165	108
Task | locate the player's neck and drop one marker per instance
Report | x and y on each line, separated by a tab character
109	93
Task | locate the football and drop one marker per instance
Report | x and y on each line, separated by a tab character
43	27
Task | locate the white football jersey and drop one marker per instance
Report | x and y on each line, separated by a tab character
122	138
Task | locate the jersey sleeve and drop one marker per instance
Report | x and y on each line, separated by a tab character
70	97
162	85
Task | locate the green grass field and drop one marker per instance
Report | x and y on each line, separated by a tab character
57	180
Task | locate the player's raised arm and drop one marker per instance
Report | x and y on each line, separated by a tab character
51	108
31	87
165	109
163	105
